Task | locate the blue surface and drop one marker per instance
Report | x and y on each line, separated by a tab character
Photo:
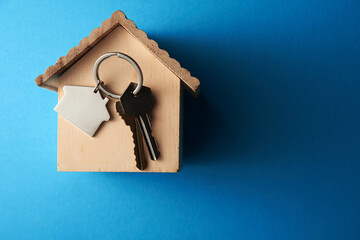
271	146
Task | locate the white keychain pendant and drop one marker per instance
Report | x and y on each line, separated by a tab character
83	107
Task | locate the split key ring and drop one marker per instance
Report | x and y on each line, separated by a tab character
99	84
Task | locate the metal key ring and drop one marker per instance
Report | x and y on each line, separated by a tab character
99	85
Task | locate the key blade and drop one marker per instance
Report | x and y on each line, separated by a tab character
146	130
139	147
139	151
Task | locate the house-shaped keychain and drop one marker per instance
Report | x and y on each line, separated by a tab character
110	148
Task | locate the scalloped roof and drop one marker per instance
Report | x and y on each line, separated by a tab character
49	78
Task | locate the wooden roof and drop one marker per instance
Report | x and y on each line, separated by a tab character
50	77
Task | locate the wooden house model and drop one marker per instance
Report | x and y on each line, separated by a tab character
111	149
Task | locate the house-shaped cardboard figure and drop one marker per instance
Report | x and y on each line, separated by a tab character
111	149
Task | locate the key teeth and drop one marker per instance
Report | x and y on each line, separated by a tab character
129	121
138	162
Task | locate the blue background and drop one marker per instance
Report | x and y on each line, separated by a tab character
271	146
